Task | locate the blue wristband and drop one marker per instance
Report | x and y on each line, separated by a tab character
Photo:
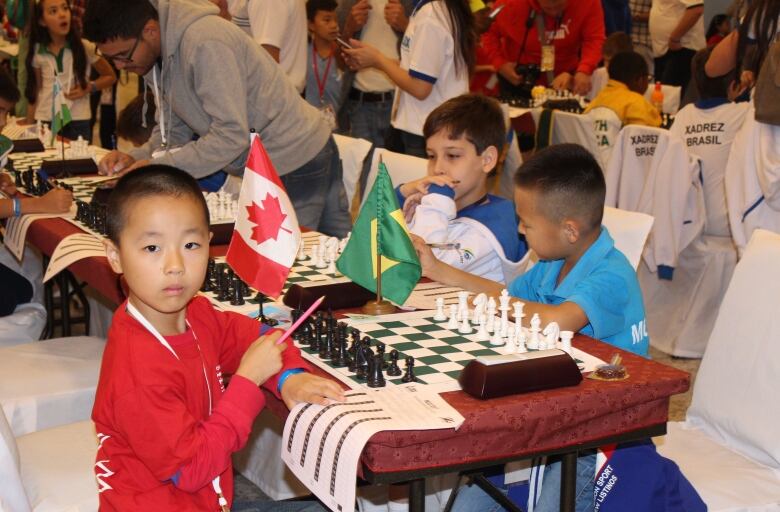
17	207
285	375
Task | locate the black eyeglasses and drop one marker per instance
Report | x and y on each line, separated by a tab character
127	58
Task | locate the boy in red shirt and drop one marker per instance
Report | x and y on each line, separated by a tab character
166	424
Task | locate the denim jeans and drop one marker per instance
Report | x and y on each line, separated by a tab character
473	498
316	190
369	120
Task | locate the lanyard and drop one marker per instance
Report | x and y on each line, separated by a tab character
314	59
160	107
152	330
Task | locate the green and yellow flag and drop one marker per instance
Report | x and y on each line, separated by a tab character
60	112
381	224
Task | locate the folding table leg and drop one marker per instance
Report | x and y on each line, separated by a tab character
417	495
568	481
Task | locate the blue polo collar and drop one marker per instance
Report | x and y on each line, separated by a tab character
707	103
587	263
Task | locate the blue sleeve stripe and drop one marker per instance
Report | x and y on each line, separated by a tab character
752	207
422	76
264	329
175	478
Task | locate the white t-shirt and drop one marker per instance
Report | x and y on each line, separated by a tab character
428	52
239	15
708	134
380	35
47	63
664	17
282	24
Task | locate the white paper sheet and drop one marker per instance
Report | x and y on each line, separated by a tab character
322	445
72	249
424	295
16	230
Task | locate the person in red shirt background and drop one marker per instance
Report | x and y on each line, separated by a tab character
574	28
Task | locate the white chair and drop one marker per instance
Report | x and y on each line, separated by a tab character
27	321
595	131
49	383
48	471
352	152
728	447
629	230
402	168
598	80
671	97
751	181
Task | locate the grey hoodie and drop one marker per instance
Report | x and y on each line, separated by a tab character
217	83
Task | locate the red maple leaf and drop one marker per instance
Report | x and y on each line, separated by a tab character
267	219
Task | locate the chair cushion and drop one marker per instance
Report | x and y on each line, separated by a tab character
725	480
24	325
49	383
58	468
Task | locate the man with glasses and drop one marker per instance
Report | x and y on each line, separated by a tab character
212	84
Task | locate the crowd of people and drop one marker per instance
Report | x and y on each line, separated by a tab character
412	77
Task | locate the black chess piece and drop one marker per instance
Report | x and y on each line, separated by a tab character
245	291
393	370
376	379
223	285
238	297
353	348
326	348
409	375
340	356
361	362
295	314
380	350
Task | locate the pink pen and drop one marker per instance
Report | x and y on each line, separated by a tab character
298	322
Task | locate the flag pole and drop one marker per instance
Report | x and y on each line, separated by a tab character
378	306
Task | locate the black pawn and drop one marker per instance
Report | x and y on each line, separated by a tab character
376	379
316	341
340	356
326	348
353	349
393	370
409	375
380	351
238	297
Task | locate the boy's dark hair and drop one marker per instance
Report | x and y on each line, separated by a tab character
105	20
627	67
39	36
617	42
569	181
312	6
8	89
476	117
152	180
717	87
129	123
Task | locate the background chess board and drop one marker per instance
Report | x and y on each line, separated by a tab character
305	273
439	353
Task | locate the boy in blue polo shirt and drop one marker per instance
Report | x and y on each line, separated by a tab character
581	281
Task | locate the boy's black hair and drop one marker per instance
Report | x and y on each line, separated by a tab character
474	116
39	37
312	6
152	180
8	89
105	20
627	67
129	123
570	183
717	87
617	42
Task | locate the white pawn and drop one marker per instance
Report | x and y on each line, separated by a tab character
301	252
551	332
566	337
331	267
320	261
522	339
482	334
496	340
440	316
510	347
536	323
465	326
452	323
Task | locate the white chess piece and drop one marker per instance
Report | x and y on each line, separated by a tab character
504	300
510	347
301	252
331	269
533	342
491	315
479	303
518	313
551	332
482	334
522	339
440	316
566	337
465	326
320	261
463	305
496	339
452	323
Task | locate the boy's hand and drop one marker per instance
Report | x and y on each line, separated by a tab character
410	206
114	162
305	387
262	359
428	261
57	200
421	186
7	185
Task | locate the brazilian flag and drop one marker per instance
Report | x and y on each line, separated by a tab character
60	113
380	224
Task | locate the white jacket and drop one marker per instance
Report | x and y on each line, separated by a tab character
651	172
753	181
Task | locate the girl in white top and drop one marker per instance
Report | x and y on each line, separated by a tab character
437	56
58	56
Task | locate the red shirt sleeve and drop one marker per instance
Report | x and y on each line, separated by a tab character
592	38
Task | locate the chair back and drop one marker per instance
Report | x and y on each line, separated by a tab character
402	168
629	230
735	396
671	97
13	497
352	152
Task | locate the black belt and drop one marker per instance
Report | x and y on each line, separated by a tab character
370	97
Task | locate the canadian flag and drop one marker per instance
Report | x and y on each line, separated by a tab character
266	237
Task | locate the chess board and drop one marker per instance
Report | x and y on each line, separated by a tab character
439	353
34	161
304	273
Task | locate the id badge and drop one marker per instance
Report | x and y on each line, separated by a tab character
329	114
548	58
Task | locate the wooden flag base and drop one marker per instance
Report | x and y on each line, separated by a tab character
378	307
